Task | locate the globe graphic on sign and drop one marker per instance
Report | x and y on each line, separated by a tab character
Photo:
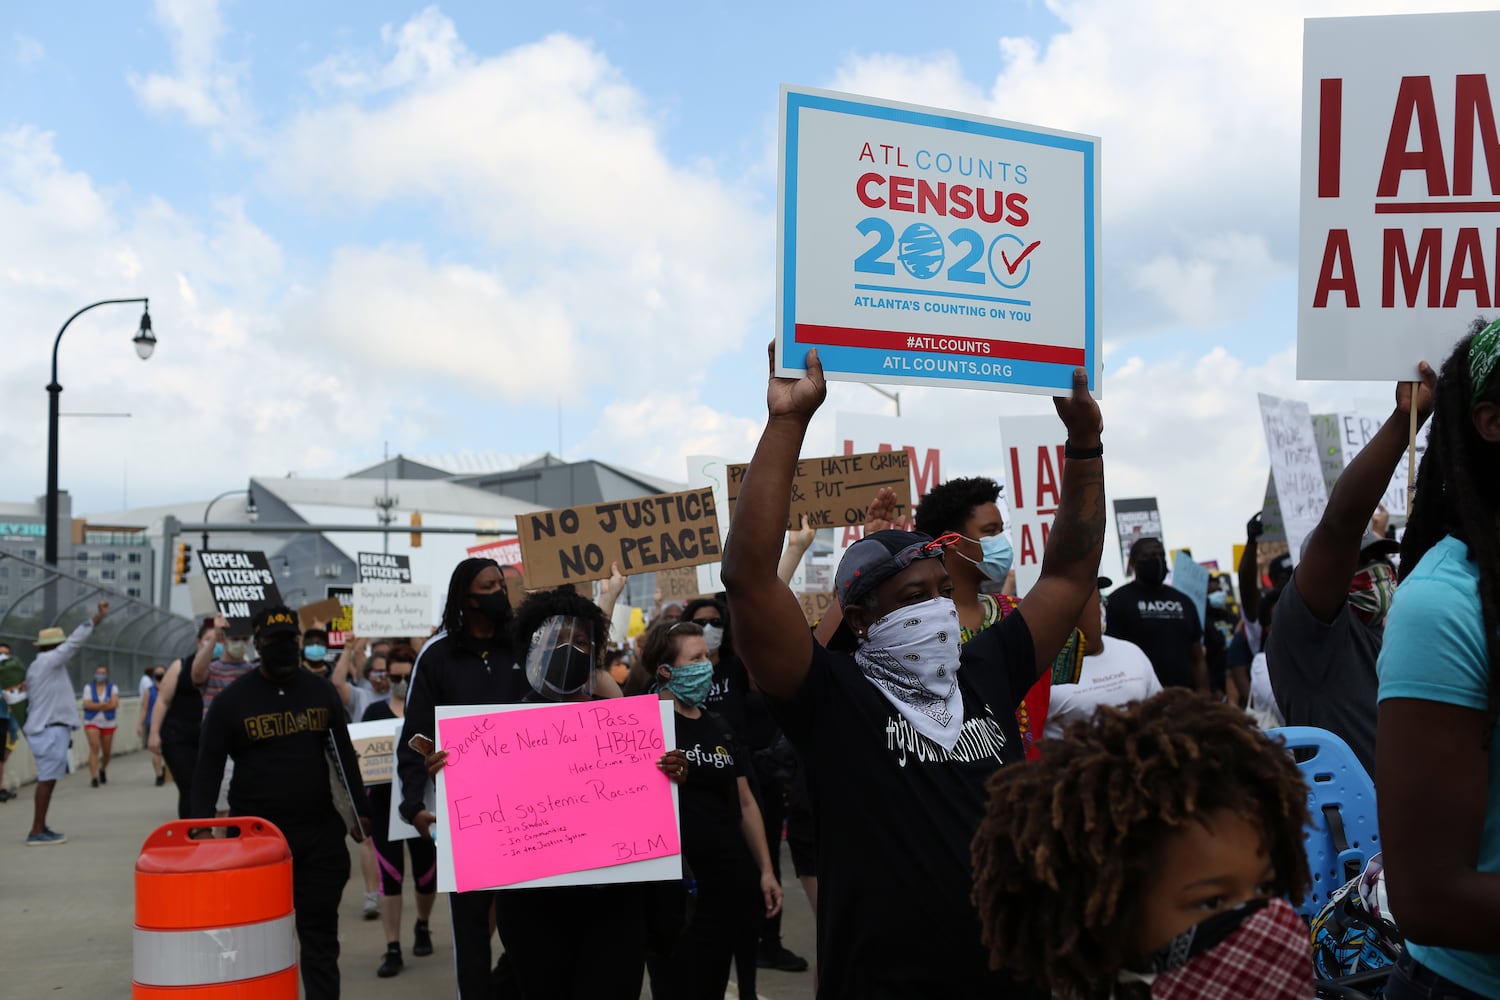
921	250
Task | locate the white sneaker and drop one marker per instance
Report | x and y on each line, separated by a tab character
372	905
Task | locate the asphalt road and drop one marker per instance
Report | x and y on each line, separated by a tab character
69	909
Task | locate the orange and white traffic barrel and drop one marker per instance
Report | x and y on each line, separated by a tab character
213	917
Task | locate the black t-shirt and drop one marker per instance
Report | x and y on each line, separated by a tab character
726	698
1323	674
896	814
1163	622
710	798
277	732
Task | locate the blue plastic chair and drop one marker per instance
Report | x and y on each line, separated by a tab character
1344	832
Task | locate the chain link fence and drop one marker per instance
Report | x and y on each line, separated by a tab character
133	636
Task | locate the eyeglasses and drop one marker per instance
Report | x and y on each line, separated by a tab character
925	550
708	622
400	677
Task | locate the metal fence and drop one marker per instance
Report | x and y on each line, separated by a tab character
133	636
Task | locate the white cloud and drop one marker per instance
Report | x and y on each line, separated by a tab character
550	162
204	88
28	51
427	47
1198	106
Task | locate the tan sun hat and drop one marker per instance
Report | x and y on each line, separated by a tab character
49	637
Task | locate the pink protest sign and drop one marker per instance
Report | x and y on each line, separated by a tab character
548	790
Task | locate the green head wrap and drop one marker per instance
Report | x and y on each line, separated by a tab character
1484	351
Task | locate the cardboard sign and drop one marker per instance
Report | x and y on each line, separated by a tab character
678	586
560	794
341	624
578	544
1400	176
376	566
927	444
927	247
319	613
393	609
1295	468
1034	456
834	492
815	606
241	584
1134	520
375	746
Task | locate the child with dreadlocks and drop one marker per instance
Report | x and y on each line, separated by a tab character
1149	853
1437	756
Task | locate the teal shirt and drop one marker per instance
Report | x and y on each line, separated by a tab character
1435	651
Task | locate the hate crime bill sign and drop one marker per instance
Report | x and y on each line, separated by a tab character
927	247
1400	226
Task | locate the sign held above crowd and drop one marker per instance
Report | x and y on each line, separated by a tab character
927	247
834	492
241	583
1399	242
579	544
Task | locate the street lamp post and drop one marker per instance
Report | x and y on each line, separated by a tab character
250	510
145	343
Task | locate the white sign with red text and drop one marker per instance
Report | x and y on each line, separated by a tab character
927	247
1400	225
1034	465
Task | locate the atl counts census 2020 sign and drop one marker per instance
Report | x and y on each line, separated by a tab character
928	247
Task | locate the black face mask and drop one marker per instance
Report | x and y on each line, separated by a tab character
1151	571
494	607
281	659
569	670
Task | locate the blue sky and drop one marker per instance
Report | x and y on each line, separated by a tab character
440	226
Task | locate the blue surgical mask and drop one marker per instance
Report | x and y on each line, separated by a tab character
1218	599
691	682
218	651
996	555
314	652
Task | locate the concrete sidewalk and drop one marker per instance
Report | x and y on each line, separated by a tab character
69	909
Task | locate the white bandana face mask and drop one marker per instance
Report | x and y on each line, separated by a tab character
911	655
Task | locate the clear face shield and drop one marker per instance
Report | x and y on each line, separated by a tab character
560	663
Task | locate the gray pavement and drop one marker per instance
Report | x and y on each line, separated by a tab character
69	909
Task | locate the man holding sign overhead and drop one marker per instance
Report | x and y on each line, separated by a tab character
900	738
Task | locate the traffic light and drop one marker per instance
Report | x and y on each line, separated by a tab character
184	561
416	536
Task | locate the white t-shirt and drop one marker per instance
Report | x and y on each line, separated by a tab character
1262	697
1118	674
145	686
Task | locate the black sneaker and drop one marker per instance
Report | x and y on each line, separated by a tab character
103	778
392	962
422	946
161	779
779	958
93	782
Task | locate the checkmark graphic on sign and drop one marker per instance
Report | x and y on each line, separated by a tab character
1020	258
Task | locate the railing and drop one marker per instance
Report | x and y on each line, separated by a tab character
133	636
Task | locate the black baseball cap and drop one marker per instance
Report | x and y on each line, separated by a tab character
877	557
274	621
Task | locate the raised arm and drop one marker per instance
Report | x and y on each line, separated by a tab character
164	696
205	654
344	664
772	636
798	541
610	590
1070	566
1331	556
1249	570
